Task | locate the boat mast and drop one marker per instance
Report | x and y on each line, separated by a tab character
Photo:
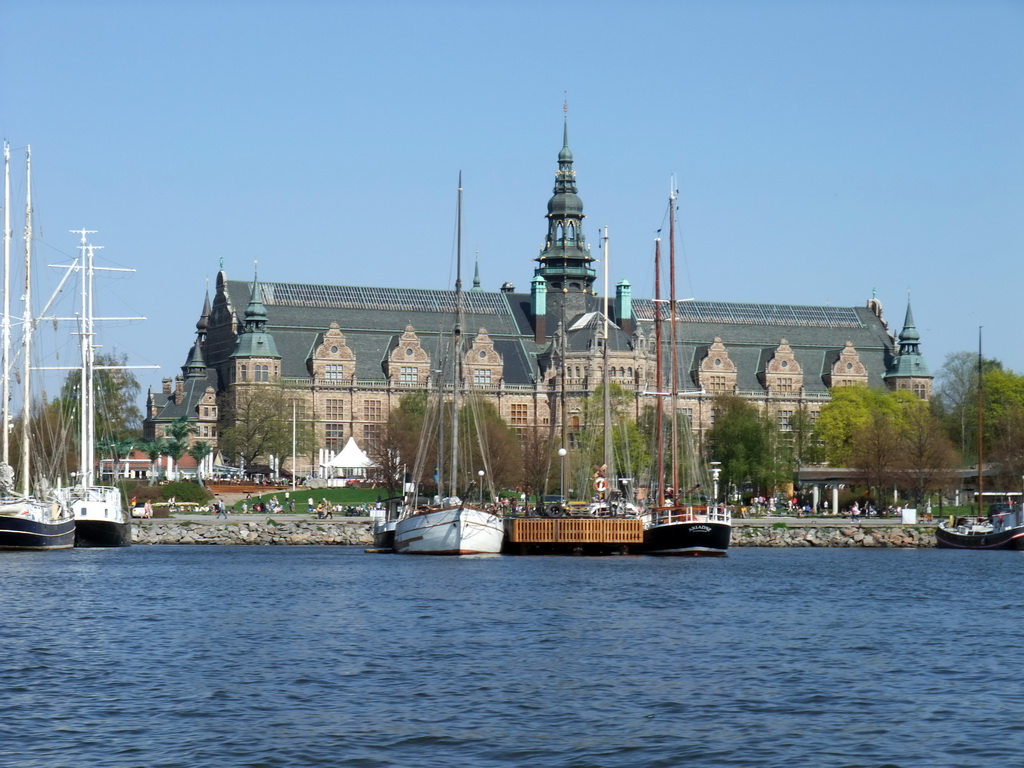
659	392
5	321
457	344
26	332
86	401
609	457
674	382
981	422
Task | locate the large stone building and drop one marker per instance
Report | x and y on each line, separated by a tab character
354	351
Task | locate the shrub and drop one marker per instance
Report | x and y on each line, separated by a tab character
184	492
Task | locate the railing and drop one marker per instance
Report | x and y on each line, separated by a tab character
693	515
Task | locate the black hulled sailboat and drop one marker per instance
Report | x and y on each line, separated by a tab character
691	523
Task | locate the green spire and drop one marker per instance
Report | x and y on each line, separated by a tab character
254	341
908	361
476	275
564	262
909	334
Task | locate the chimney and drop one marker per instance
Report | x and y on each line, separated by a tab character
624	307
179	388
167	386
539	308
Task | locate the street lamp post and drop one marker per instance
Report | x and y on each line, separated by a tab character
561	455
480	474
716	470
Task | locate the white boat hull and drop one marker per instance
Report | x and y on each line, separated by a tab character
101	520
455	530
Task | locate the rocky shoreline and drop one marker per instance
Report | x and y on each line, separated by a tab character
252	531
899	536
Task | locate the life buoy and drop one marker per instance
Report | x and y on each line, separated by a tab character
600	484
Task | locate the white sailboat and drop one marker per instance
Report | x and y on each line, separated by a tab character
450	526
100	516
26	522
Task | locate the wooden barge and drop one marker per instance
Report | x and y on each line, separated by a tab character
573	536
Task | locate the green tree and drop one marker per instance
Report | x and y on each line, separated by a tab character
740	441
199	450
153	449
396	450
929	458
806	448
491	445
256	422
540	466
630	448
1004	426
955	399
117	450
53	443
176	442
116	397
849	412
877	450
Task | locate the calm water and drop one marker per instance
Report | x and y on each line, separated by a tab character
326	656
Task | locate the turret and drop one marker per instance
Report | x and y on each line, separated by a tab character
255	357
565	261
908	369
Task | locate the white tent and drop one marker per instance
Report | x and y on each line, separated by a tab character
351	462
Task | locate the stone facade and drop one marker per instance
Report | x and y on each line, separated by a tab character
351	353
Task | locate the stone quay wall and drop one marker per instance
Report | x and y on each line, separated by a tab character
254	531
349	533
904	536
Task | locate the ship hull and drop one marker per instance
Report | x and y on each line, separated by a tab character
694	538
1012	538
457	530
22	532
102	533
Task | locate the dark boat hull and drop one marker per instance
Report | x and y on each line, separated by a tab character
24	533
384	535
102	533
688	538
1012	538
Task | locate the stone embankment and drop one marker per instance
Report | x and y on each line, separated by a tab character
252	531
905	536
203	529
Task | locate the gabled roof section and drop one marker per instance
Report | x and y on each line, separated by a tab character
591	320
170	407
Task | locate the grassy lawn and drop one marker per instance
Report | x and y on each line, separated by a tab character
343	496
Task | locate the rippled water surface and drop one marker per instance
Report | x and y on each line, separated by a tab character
327	656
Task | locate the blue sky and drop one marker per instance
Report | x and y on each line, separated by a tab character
823	151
